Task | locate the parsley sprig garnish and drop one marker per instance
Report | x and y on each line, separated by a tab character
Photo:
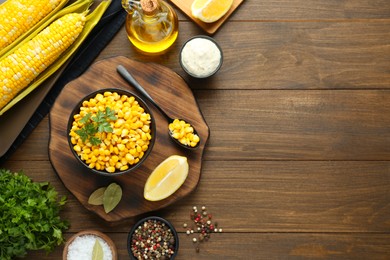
96	124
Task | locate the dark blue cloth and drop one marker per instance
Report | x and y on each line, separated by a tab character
110	23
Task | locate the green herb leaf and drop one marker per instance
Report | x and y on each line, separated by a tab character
83	134
97	252
110	114
112	196
102	126
108	129
96	198
100	117
29	218
90	129
105	127
95	140
86	118
94	124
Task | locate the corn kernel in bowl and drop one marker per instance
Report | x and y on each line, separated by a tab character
127	132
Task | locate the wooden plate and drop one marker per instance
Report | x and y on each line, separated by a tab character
210	28
170	91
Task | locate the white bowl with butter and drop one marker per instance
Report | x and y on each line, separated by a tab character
201	56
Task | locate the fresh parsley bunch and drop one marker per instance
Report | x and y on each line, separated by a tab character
29	215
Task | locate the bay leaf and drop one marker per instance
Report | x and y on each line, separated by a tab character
112	196
96	198
97	252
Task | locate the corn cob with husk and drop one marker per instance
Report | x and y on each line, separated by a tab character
18	16
25	63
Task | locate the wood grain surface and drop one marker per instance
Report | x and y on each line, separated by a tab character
298	160
209	28
170	92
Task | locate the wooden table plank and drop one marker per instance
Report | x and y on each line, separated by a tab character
286	55
268	246
304	55
297	125
312	10
282	125
276	196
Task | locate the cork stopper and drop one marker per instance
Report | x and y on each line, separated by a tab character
149	6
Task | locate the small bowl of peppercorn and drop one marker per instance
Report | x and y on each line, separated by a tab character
153	238
111	131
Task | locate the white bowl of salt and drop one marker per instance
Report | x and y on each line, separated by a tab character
201	56
88	243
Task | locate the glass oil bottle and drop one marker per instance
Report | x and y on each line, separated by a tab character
152	25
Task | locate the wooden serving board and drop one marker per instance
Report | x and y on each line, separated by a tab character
171	92
210	28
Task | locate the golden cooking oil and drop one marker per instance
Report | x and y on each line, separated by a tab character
152	26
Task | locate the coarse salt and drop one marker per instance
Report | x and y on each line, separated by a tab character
82	247
201	57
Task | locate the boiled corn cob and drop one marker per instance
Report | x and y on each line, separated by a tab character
21	67
18	16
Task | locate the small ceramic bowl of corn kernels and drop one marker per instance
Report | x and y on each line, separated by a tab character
111	132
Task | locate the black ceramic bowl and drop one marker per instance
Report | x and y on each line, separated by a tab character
170	241
141	102
201	56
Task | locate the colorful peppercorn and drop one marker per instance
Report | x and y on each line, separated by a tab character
153	240
203	226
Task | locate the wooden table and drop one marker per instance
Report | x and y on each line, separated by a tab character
298	161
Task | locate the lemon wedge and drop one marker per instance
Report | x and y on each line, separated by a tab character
209	11
166	178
